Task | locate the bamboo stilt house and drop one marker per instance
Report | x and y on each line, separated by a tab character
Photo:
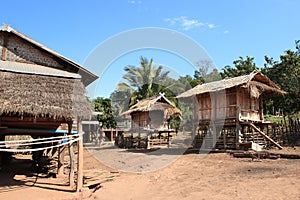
40	90
152	113
38	85
231	103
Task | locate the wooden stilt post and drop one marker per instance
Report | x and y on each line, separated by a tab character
111	134
61	159
139	135
238	135
72	155
214	136
224	138
168	139
214	113
80	157
238	127
195	122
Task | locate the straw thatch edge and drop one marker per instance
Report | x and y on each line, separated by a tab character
41	96
159	102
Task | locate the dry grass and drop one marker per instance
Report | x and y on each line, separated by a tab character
41	96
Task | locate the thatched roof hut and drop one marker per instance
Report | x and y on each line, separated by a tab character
38	85
41	91
255	81
159	102
153	112
232	97
230	104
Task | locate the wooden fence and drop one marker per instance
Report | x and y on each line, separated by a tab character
286	132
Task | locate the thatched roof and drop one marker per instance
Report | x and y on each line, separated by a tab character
255	81
159	102
87	76
41	91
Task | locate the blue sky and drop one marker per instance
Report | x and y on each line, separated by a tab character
225	29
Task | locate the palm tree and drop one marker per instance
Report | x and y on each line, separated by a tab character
143	81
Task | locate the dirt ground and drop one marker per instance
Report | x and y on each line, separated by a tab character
190	176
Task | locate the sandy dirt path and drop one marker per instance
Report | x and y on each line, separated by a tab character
216	176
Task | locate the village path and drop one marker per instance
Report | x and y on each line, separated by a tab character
189	176
213	176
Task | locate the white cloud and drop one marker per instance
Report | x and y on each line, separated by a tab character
226	32
134	2
187	24
211	26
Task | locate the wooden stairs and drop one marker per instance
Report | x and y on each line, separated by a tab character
258	131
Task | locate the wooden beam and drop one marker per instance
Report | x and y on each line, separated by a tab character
79	157
237	134
26	130
195	116
26	123
30	119
30	122
264	155
4	53
224	138
41	132
72	155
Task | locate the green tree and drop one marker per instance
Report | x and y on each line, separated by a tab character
241	67
104	106
120	100
182	84
286	74
213	76
192	81
143	81
174	122
203	67
202	75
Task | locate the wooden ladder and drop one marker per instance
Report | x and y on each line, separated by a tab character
263	134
